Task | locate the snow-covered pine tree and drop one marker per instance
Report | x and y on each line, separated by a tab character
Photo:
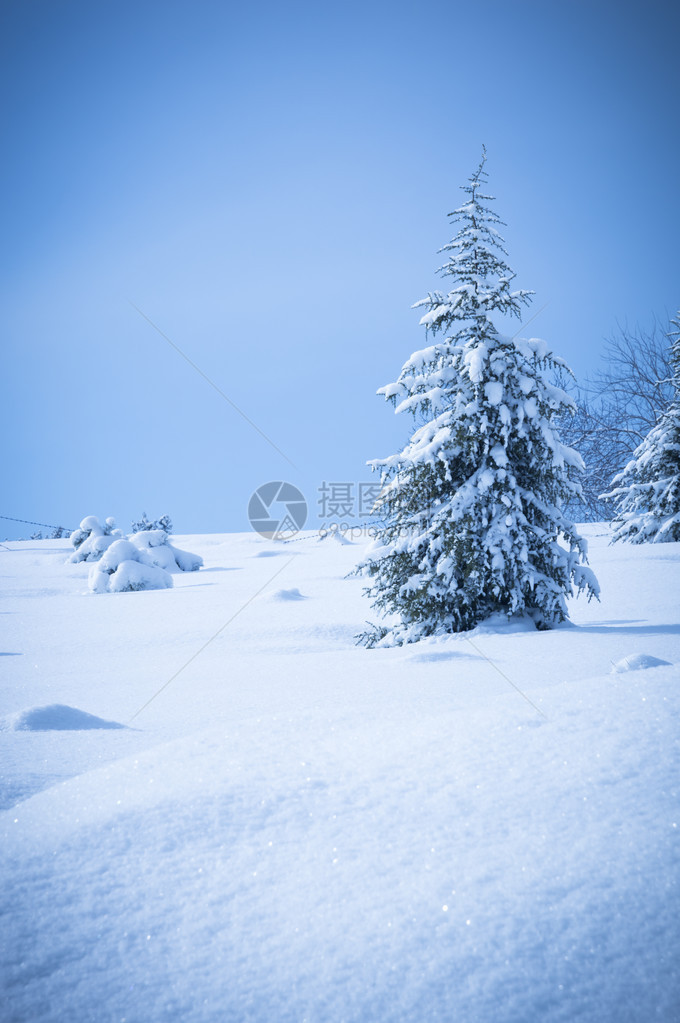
141	524
472	508
164	523
647	492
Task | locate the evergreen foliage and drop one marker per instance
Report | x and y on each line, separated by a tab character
472	508
164	523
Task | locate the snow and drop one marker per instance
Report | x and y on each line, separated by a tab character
494	392
499	455
132	575
637	662
474	360
485	479
140	562
126	567
91	539
158	551
90	523
340	538
530	408
533	347
54	717
292	594
500	624
481	827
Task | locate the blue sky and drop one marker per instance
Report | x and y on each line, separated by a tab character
269	185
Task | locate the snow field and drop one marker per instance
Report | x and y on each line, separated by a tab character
300	829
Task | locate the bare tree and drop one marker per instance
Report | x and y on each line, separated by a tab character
617	408
637	380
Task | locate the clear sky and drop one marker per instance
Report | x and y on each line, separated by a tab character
269	183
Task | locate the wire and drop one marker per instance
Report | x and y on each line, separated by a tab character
29	522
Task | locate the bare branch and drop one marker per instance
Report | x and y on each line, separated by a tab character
616	409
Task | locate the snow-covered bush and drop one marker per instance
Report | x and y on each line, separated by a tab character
92	538
647	492
124	567
472	509
142	562
143	524
160	552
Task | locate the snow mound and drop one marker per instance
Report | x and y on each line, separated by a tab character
637	662
124	568
92	538
291	594
55	717
159	552
340	538
437	655
500	623
335	534
148	555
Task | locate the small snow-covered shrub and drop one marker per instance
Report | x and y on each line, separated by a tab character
92	538
89	524
142	562
133	575
164	523
123	567
160	552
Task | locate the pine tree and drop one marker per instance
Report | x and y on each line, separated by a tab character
143	524
647	492
472	508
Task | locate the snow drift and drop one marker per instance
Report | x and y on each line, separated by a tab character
55	717
480	828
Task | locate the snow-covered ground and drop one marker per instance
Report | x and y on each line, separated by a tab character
480	828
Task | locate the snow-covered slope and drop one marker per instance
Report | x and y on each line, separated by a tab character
480	828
